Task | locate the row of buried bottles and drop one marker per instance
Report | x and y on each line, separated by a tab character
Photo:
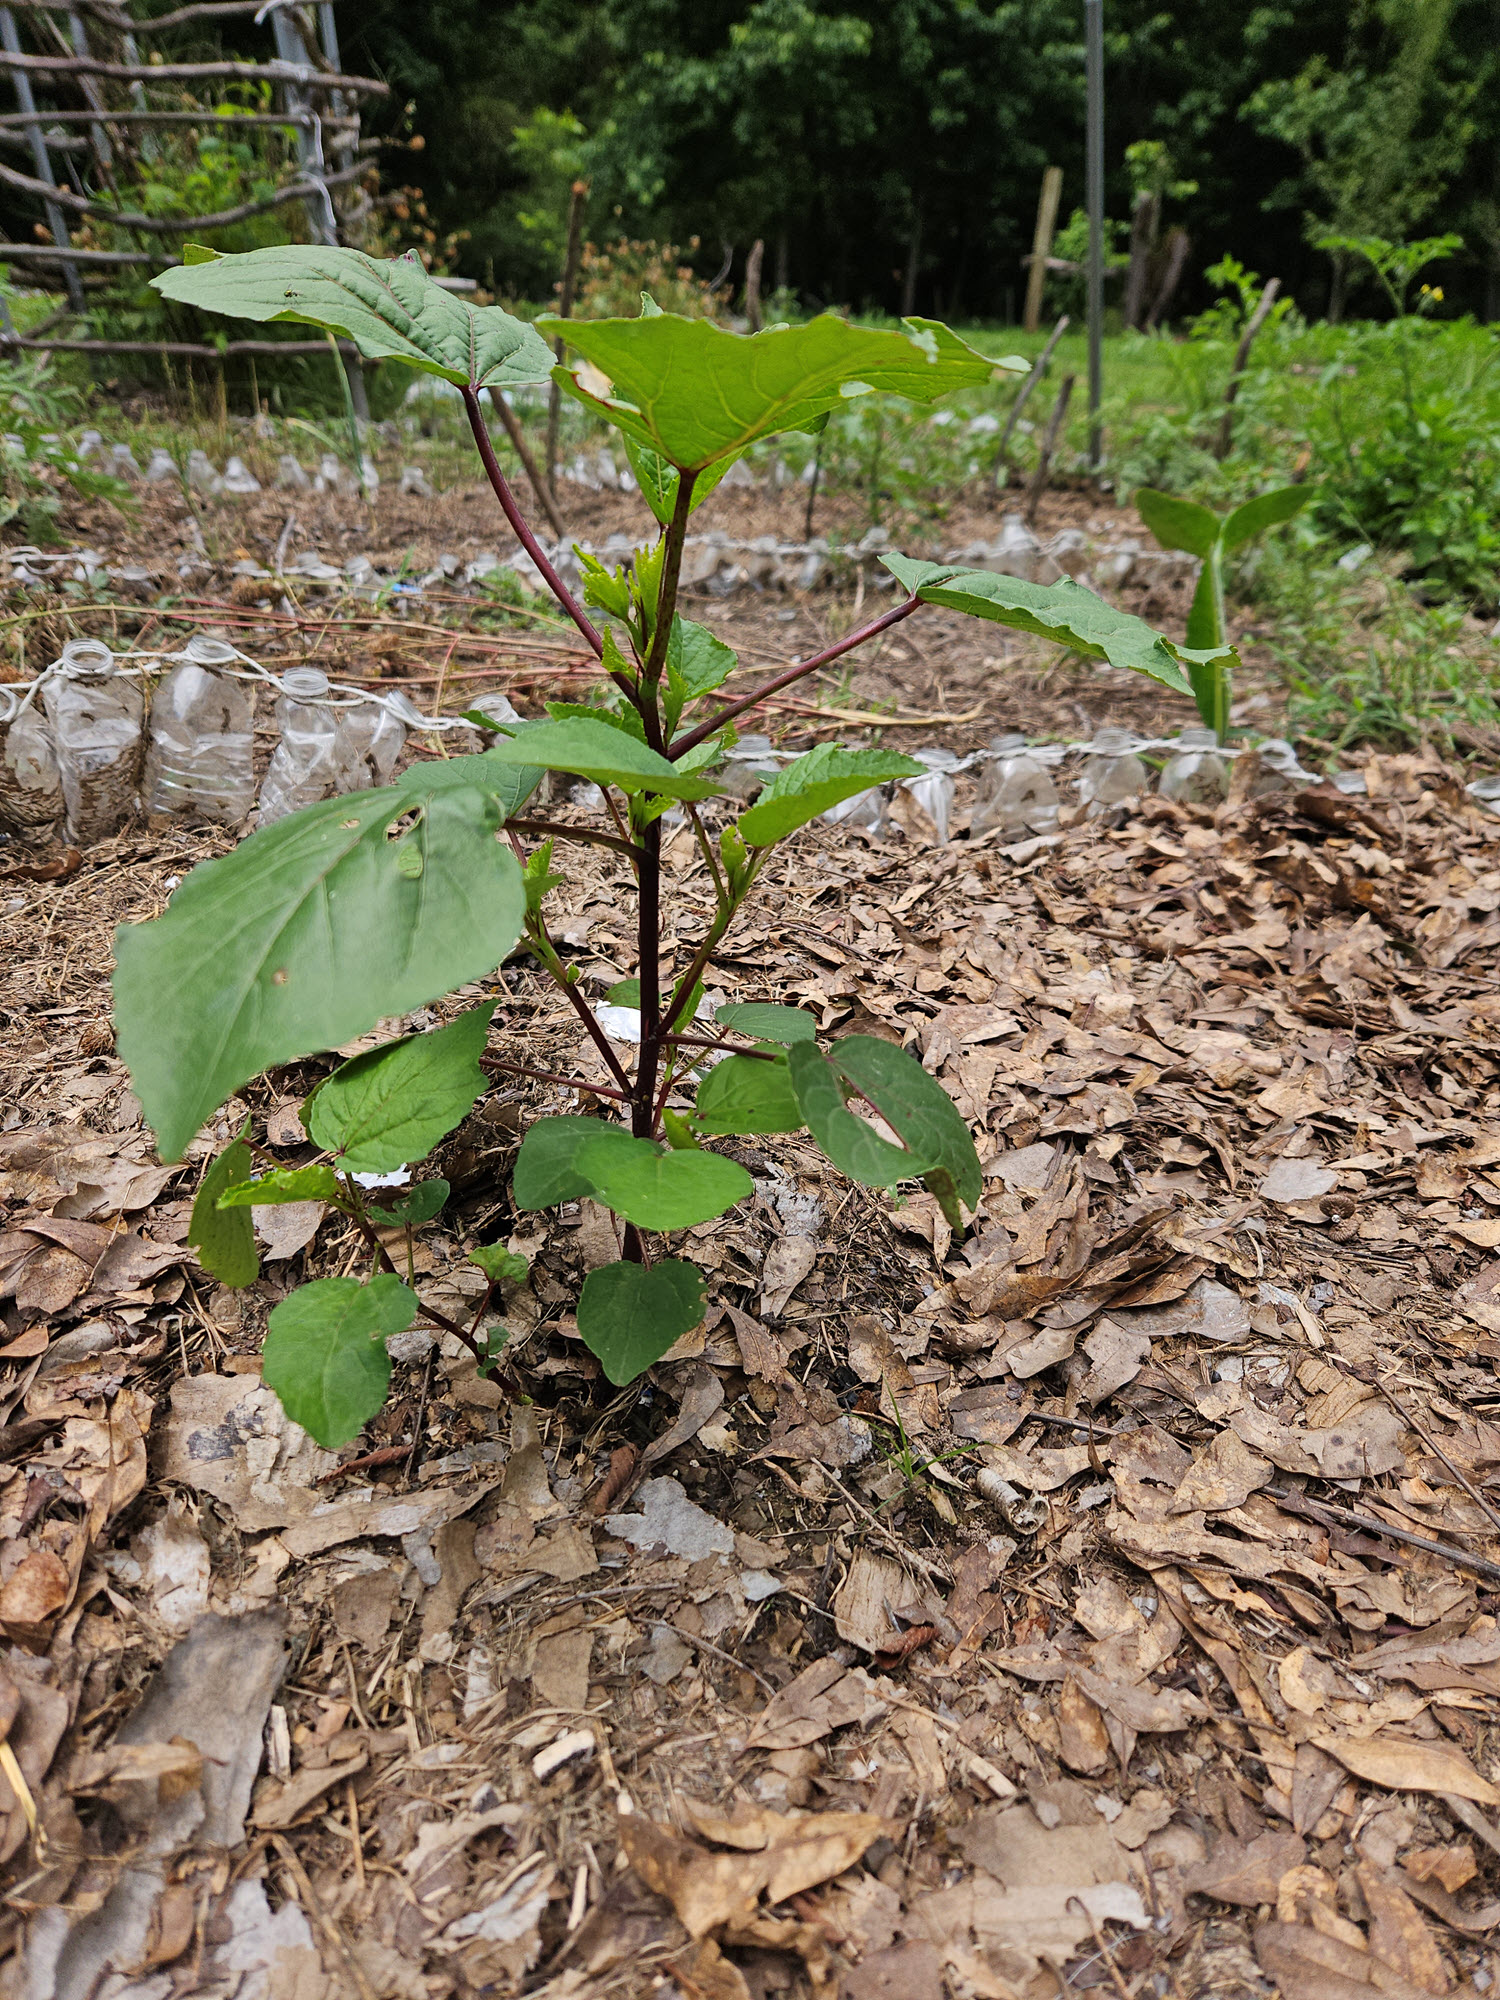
1019	794
87	747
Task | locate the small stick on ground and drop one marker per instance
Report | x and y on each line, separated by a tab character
1043	473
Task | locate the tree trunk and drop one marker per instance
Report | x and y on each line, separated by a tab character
1143	228
1179	243
913	260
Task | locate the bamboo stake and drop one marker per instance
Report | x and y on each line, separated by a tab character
574	252
1041	246
1043	471
1038	370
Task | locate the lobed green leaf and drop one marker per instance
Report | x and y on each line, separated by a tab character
918	1108
1064	612
389	307
698	394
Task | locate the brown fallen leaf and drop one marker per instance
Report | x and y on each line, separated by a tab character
1224	1476
1084	1738
1399	1936
707	1889
280	1803
1309	1966
1450	1867
1403	1764
824	1697
1246	1871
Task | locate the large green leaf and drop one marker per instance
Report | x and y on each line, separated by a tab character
630	1316
388	307
658	480
814	783
768	1023
325	1353
1177	524
225	1238
1266	510
313	930
918	1108
1065	612
545	1173
696	393
743	1095
657	1190
850	1142
390	1106
283	1185
594	750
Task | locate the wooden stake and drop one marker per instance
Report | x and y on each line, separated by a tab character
539	485
1038	370
1041	246
752	284
1253	326
1043	471
571	259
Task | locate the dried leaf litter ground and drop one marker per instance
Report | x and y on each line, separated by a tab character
1105	1602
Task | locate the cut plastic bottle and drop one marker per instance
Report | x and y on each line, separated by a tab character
304	765
30	783
200	756
96	714
1196	774
1112	772
1017	793
371	739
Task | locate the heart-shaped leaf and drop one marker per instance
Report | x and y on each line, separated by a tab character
917	1107
658	1190
740	1094
389	1106
225	1238
1064	612
325	1353
417	1204
389	307
813	783
696	393
629	1316
310	932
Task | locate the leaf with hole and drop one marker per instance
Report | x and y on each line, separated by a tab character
281	1185
816	781
417	1204
607	756
916	1107
545	1173
629	1316
391	1105
741	1094
1064	612
225	1238
850	1142
657	1190
325	1353
389	307
768	1023
696	393
308	933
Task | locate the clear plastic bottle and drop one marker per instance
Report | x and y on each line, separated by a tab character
304	765
30	784
1196	774
96	715
199	757
1112	772
370	741
1017	792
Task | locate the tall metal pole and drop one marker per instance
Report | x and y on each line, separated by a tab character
41	158
1093	27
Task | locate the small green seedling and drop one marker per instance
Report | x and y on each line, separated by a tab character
368	906
1198	531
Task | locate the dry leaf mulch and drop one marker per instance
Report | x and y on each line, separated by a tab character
1104	1602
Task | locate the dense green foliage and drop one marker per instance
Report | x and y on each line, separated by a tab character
888	151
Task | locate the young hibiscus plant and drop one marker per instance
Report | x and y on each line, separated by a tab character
362	908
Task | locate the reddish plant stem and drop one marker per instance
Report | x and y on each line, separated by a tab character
666	603
705	729
523	533
730	1048
649	969
383	1256
549	1076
